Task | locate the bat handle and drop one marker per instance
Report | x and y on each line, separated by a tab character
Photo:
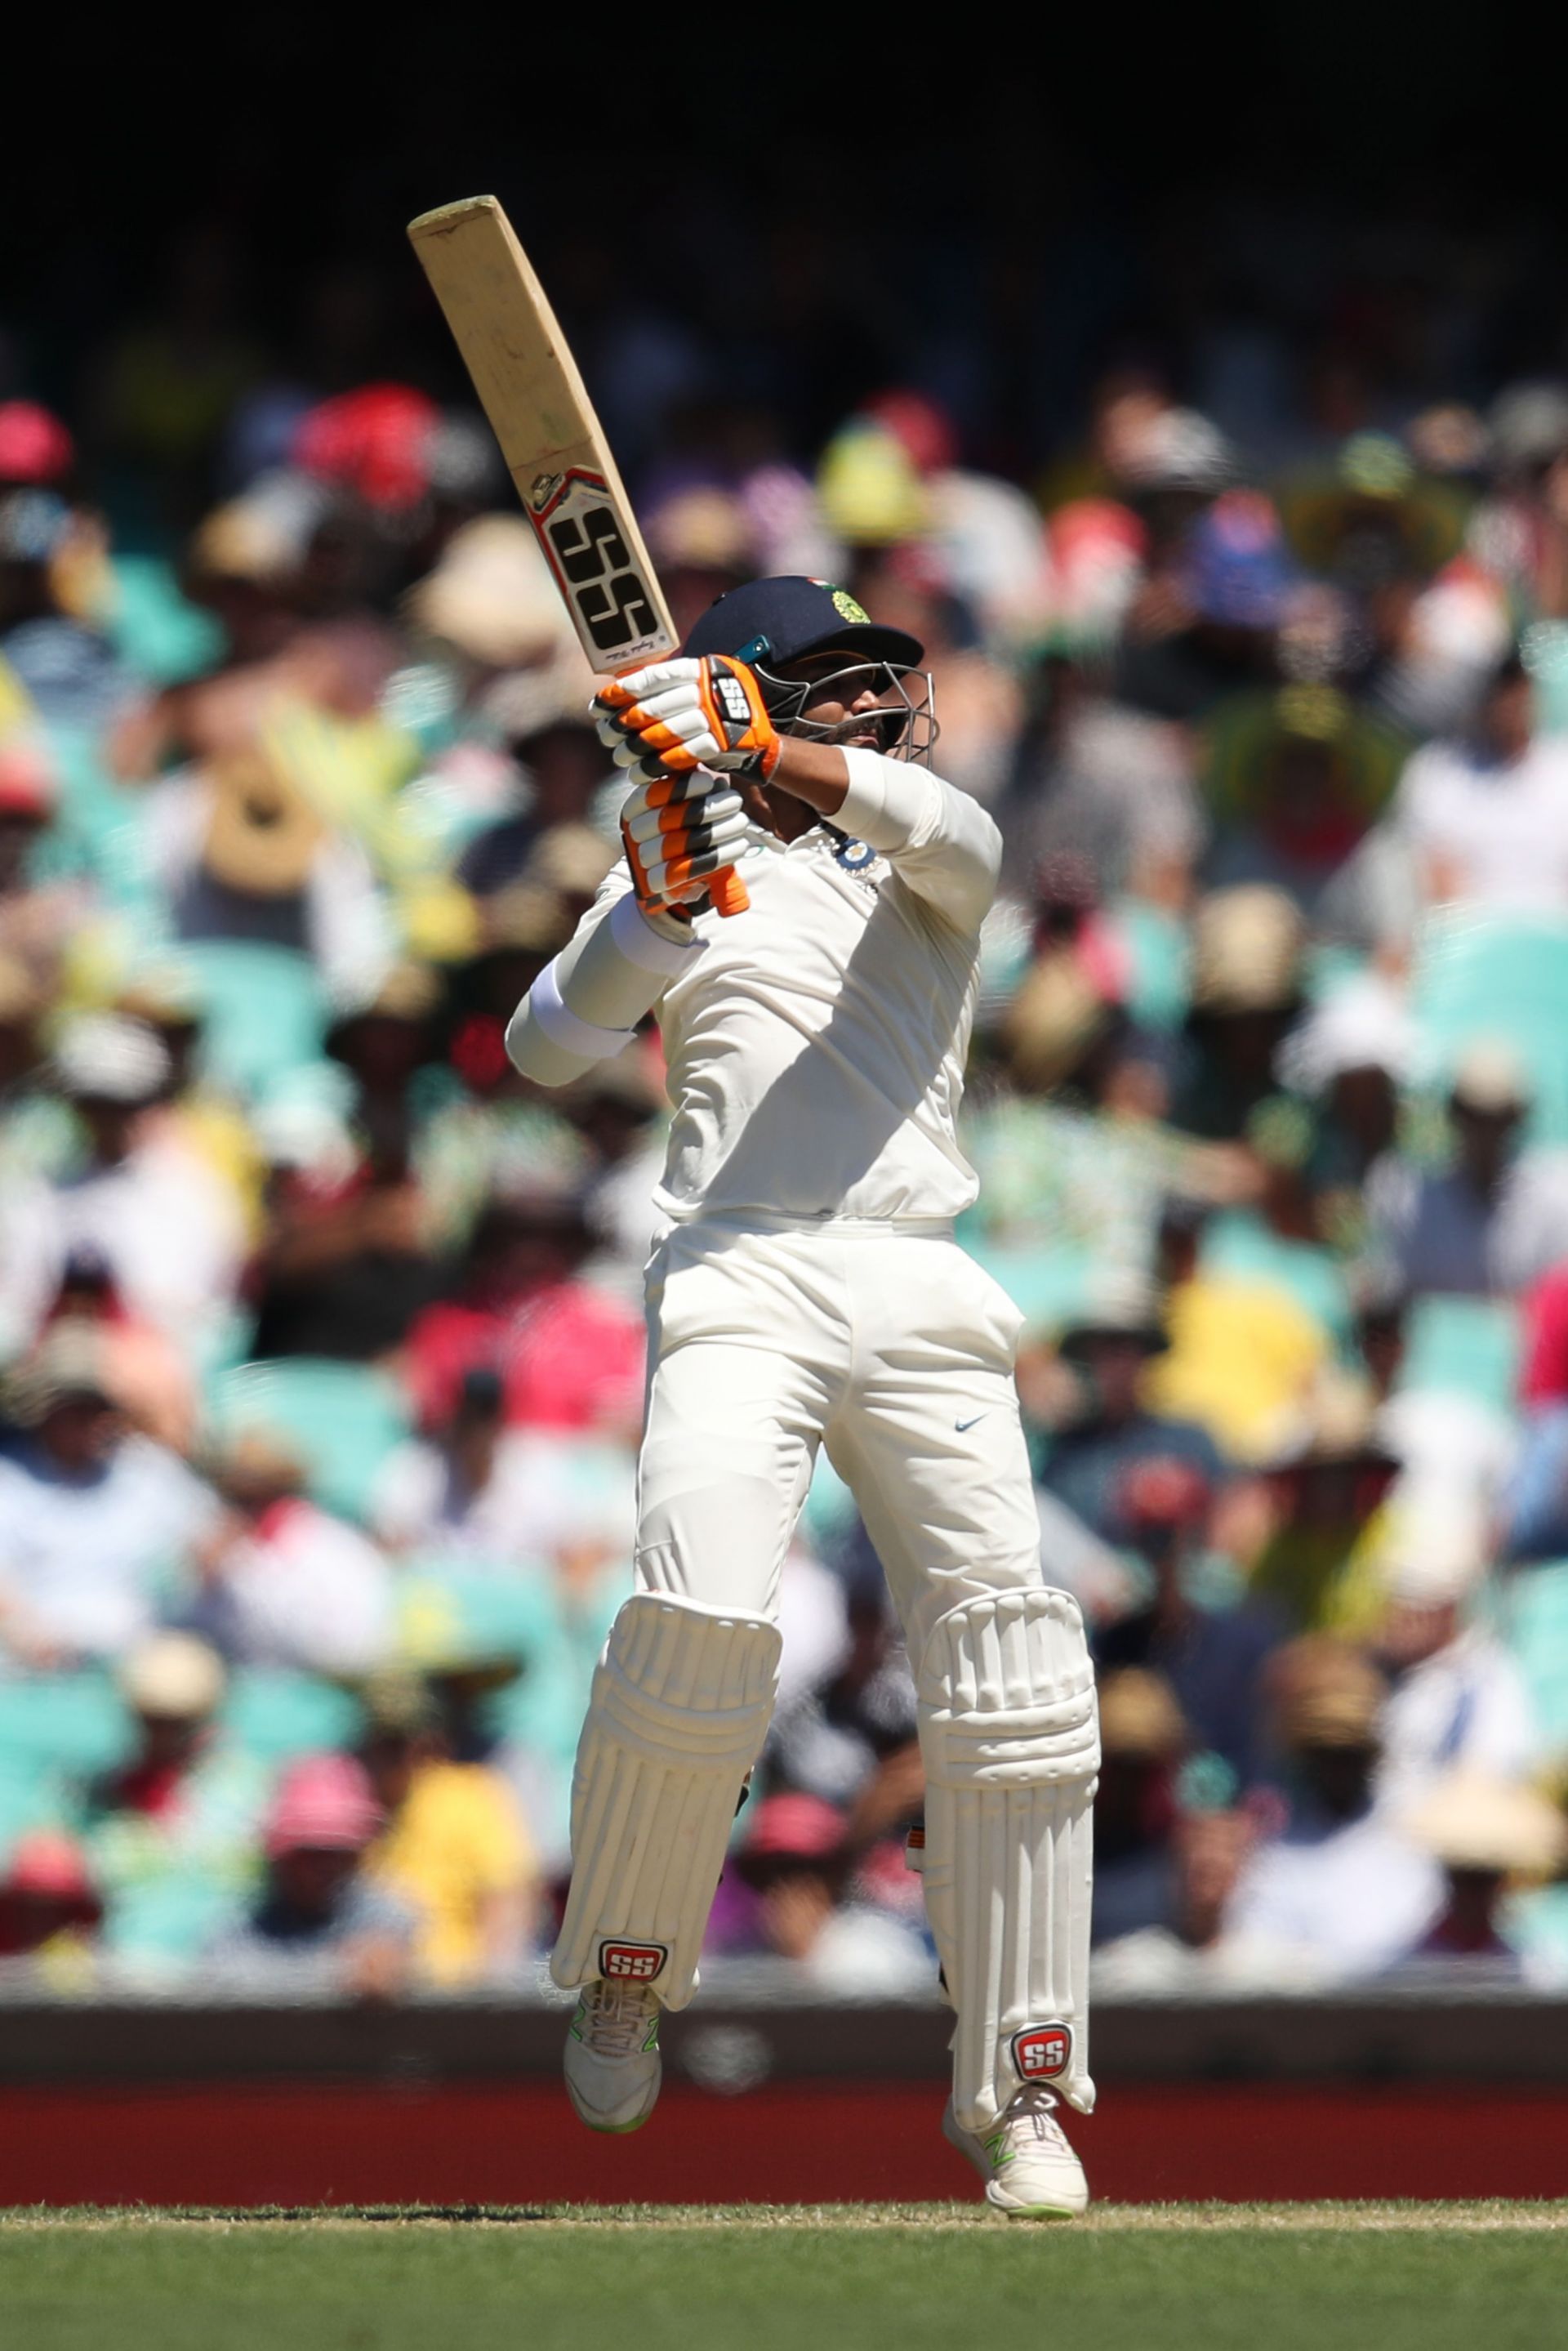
728	893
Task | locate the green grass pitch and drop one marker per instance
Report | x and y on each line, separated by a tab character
1389	2277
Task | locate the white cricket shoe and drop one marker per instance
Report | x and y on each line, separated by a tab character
612	2063
1029	2169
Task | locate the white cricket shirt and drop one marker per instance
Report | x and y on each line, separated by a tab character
815	1044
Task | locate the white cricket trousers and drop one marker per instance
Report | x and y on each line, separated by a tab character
887	1345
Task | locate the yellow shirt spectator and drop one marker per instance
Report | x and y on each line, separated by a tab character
458	1850
1243	1358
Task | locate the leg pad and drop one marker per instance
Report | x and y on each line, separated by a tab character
680	1705
1009	1731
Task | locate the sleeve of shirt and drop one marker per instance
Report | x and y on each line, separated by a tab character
585	1006
936	838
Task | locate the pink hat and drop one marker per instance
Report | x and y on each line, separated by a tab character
376	441
35	446
325	1803
48	1863
804	1828
27	779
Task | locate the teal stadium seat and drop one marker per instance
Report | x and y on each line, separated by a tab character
55	1729
1465	1347
264	1012
1534	1621
343	1418
1479	975
276	1715
1160	953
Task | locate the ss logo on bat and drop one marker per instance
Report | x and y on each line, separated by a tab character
584	540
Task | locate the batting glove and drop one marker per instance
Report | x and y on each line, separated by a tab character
681	832
676	716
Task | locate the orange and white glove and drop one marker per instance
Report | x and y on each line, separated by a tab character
681	832
676	716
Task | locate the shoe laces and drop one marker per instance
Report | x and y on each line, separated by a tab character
616	2017
1035	2108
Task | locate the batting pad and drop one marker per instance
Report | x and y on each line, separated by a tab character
1010	1740
681	1704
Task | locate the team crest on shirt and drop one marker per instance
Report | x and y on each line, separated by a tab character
855	856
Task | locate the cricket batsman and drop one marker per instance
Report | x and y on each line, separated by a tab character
808	1292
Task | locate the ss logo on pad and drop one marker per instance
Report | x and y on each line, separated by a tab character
1041	2052
633	1962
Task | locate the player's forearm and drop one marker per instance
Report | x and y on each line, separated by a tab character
584	1005
816	773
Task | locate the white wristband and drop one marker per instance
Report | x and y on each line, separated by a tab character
565	1028
643	945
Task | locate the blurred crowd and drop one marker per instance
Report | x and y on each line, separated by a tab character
320	1330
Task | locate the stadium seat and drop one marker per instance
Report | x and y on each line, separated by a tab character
1160	953
1465	1347
345	1418
1479	975
275	1714
1534	1611
75	1722
262	1009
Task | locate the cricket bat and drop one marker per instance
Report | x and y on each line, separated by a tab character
530	388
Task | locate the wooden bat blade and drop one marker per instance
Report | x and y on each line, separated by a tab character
530	388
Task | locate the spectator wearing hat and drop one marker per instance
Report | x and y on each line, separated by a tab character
1340	1890
284	1583
172	1827
320	1925
1143	1738
165	1225
1496	1216
1459	1702
1348	1058
92	1516
1294	778
1325	1482
1486	1834
237	849
799	1862
50	1912
453	1845
1109	1348
1246	946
